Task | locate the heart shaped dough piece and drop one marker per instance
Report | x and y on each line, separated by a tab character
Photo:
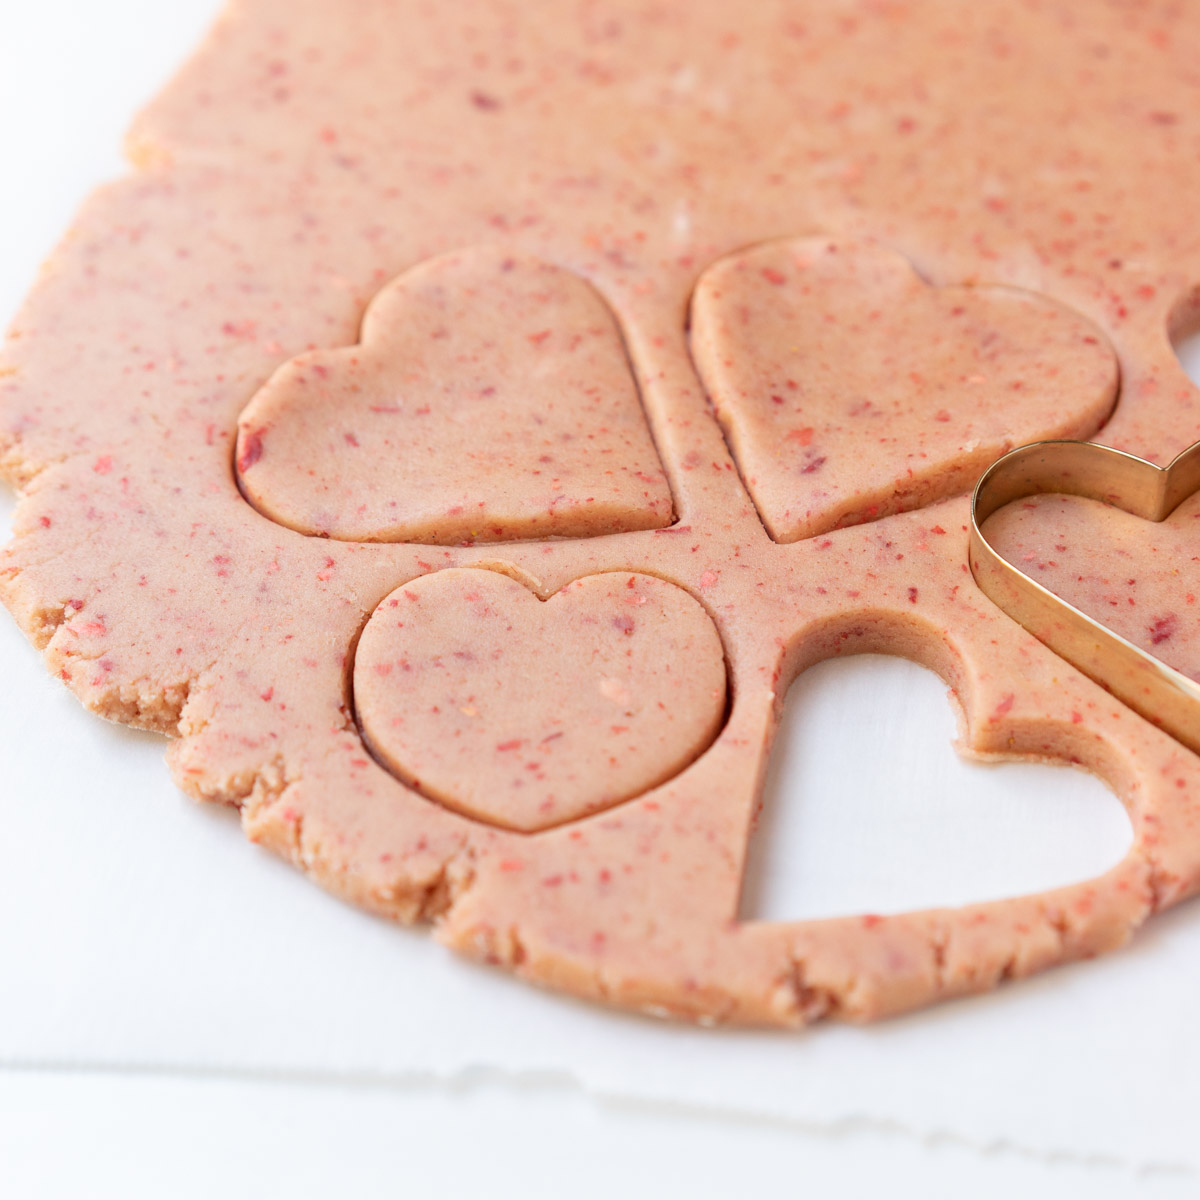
526	713
490	399
849	389
1140	579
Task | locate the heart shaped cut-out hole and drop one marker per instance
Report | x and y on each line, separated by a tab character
1138	578
527	713
1187	350
868	809
489	399
850	389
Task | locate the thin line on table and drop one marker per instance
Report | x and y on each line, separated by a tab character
478	1078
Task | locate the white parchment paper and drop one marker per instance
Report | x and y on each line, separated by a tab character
138	930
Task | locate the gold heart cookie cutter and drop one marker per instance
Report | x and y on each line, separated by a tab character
1165	697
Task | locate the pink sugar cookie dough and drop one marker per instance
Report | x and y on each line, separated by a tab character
199	545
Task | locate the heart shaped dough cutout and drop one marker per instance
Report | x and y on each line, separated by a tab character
527	713
849	388
490	399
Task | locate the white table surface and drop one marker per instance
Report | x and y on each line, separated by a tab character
182	1015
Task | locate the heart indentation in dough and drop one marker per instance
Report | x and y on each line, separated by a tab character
849	388
527	713
489	399
868	809
1098	561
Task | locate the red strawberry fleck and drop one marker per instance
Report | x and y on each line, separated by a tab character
252	451
1162	629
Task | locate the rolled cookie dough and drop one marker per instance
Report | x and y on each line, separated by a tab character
310	167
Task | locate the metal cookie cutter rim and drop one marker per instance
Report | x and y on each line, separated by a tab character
1164	696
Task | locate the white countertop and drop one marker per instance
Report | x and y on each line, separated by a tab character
182	1015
